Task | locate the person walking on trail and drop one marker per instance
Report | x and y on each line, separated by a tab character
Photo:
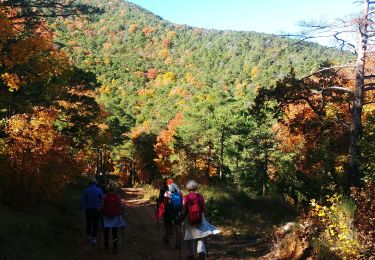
169	205
174	197
91	202
112	216
195	225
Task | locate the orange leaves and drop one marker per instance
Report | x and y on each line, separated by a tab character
166	43
145	92
22	49
164	145
148	31
178	91
38	157
11	80
145	127
133	28
152	73
32	133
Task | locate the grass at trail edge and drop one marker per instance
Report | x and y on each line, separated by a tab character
46	232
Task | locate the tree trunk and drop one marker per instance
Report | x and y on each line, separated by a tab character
221	153
265	175
353	172
208	161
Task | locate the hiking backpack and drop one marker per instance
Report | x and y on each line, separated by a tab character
112	205
194	211
176	200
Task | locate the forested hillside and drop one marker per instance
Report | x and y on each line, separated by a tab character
179	99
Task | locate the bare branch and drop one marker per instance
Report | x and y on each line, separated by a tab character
328	68
342	89
370	87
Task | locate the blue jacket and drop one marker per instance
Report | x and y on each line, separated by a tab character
92	198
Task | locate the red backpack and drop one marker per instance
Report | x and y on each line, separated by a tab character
112	205
194	210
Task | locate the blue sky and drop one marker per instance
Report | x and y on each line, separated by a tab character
269	16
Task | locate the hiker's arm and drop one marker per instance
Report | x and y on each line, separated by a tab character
183	211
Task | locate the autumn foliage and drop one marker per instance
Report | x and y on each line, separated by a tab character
164	145
48	100
39	163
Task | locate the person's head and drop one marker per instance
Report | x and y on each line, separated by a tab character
173	187
92	180
111	187
191	185
169	181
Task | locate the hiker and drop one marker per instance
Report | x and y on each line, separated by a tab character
174	197
169	205
112	216
196	227
91	201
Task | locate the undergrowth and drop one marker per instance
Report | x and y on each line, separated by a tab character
45	232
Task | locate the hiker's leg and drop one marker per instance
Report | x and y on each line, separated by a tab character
178	236
201	248
106	237
114	239
114	236
88	222
168	229
190	248
95	219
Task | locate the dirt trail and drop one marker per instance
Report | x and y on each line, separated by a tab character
140	239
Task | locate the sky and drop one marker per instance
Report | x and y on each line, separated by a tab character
268	16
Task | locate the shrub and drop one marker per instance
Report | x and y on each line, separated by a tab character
335	222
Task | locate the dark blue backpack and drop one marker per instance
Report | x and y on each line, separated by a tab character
176	200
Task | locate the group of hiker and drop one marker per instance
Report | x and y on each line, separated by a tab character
183	214
186	213
102	206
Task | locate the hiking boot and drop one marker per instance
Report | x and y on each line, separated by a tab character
114	247
93	242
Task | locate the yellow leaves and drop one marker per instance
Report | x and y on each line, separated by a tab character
145	92
189	77
104	89
103	127
34	133
106	60
164	53
171	34
254	71
169	77
11	80
337	225
87	62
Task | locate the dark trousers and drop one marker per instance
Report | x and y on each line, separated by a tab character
92	220
114	236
